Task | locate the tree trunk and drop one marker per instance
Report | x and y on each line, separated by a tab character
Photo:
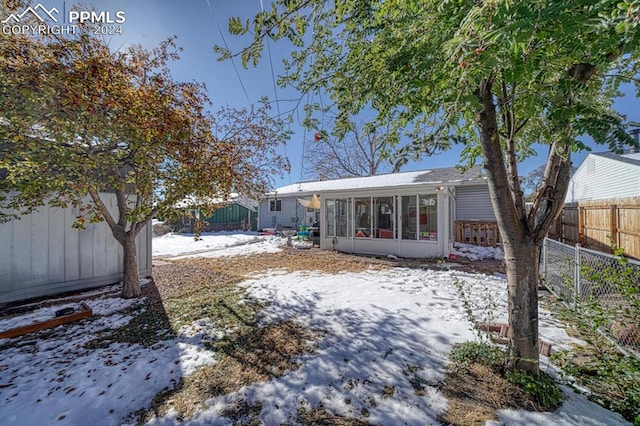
522	262
131	274
521	249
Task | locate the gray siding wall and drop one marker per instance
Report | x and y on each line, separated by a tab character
474	203
291	208
41	254
601	178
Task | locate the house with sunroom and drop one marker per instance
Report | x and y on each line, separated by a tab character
408	214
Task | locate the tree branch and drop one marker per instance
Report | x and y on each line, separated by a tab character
116	229
499	187
547	206
624	77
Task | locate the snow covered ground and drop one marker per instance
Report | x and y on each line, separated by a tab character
233	243
214	244
476	252
385	330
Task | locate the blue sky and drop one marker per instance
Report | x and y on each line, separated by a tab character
198	25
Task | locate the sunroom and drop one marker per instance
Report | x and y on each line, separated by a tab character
401	222
409	214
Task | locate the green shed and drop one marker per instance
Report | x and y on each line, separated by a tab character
237	215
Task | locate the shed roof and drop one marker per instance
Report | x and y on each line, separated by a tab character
448	175
246	202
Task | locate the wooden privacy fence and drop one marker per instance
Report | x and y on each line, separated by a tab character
478	233
599	225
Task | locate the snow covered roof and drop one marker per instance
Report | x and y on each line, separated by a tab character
449	175
233	198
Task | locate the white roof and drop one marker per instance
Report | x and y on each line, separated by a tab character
233	198
634	156
450	175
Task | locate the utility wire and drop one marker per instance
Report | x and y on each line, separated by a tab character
275	90
213	15
273	74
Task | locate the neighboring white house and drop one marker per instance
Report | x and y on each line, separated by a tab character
41	254
409	214
605	175
284	209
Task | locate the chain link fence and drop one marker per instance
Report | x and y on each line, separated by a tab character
595	283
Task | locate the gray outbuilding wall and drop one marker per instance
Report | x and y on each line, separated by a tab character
41	254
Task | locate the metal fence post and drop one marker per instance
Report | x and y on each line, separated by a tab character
576	276
545	251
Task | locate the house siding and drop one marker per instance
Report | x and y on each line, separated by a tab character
601	178
473	203
42	254
291	208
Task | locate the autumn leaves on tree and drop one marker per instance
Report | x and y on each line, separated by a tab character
78	119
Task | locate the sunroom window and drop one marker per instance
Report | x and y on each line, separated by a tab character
362	217
383	218
330	218
409	217
428	215
419	217
343	217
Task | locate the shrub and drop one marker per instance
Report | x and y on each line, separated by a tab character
612	377
543	388
484	353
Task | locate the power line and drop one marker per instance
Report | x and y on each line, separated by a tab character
275	88
227	47
235	68
273	74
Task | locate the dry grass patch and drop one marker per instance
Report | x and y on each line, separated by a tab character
475	393
190	292
476	387
243	413
290	260
249	353
269	351
252	356
320	417
483	266
331	262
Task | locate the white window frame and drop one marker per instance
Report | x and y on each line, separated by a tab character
276	204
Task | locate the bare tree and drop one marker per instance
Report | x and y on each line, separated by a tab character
359	152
